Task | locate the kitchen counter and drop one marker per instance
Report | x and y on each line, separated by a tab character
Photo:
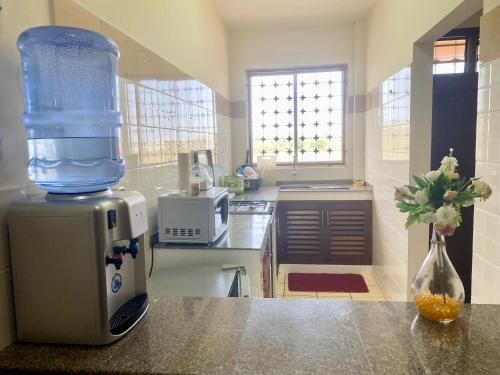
276	336
265	193
332	185
243	244
200	281
296	192
244	232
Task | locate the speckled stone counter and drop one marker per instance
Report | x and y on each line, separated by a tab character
276	336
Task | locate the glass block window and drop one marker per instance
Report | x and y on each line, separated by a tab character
395	116
298	115
449	56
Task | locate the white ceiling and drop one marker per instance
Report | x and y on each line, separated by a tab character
247	14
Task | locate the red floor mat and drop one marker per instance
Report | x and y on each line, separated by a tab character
327	282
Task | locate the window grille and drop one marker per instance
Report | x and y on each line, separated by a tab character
298	114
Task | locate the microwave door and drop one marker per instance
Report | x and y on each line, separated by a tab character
221	215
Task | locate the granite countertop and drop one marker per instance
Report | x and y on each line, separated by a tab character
244	232
186	335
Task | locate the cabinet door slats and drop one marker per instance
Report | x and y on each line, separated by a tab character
348	233
302	232
334	232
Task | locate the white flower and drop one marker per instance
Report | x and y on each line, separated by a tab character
421	197
428	217
433	175
446	215
449	164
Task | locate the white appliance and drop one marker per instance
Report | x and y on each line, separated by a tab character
193	219
78	266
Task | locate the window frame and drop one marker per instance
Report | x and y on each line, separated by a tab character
343	68
471	36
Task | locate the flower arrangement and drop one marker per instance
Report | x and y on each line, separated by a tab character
438	197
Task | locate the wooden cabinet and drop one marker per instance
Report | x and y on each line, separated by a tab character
267	267
331	232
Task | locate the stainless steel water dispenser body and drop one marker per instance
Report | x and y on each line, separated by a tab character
75	277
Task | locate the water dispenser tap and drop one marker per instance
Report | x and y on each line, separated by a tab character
132	249
116	259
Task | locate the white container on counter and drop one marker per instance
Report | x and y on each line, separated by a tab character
266	168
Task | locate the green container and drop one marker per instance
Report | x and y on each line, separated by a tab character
234	184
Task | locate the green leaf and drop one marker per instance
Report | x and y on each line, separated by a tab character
457	185
436	191
406	207
413	189
443	180
463	197
412	219
422	183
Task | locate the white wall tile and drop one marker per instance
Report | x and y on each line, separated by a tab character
486	246
494	68
482	137
169	121
494	97
484	75
483	100
386	165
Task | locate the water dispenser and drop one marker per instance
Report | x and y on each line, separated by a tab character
78	251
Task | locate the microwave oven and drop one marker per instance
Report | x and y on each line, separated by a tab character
193	219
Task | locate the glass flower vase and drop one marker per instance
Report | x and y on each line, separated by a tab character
437	289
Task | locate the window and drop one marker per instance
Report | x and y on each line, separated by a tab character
449	56
395	116
298	115
457	52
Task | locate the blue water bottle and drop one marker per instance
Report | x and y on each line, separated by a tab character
71	109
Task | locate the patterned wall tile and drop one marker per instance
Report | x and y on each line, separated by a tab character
387	153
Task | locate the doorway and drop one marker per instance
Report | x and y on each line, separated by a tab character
454	113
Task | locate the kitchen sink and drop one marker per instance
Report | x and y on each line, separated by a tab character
294	187
314	187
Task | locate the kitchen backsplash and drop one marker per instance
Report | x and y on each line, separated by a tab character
387	165
160	119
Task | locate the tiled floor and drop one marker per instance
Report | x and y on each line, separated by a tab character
374	292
